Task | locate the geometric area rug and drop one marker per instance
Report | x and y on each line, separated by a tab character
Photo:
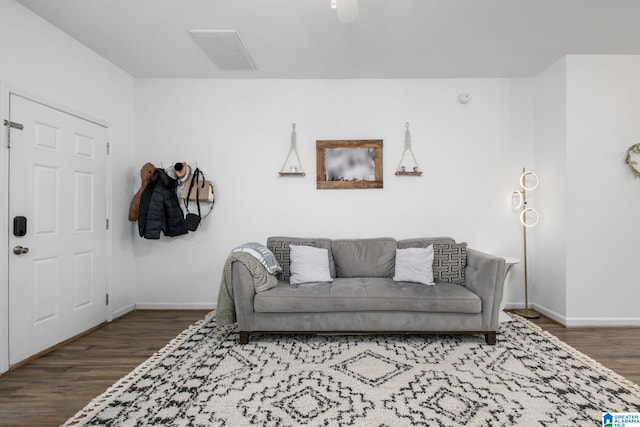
205	378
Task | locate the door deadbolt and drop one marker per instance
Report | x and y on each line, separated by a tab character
20	226
19	250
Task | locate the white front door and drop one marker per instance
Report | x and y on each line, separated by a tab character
57	270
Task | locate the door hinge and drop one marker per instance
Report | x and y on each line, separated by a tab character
108	148
13	125
107	223
106	299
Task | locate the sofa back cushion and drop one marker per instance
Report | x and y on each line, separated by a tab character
423	242
364	257
280	248
449	259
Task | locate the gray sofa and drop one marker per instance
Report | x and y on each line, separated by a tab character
364	298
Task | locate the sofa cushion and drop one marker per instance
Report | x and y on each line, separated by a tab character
449	262
280	248
414	265
364	257
366	294
449	257
309	264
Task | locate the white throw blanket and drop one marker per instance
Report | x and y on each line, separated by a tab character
262	254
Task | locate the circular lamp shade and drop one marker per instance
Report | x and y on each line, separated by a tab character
516	200
529	217
523	179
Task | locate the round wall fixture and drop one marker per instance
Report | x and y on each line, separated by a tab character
464	98
523	182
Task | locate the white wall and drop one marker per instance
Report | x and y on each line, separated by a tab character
586	246
38	58
547	284
603	197
572	124
238	132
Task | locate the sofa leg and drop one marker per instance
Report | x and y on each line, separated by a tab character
490	337
244	337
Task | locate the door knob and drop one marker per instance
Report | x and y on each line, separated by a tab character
19	250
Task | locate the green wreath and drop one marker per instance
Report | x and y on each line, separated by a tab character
633	165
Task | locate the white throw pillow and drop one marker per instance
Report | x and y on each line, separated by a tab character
309	264
415	265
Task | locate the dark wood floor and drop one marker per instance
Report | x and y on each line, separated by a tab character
616	348
49	390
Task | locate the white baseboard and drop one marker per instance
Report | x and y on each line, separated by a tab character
540	309
602	321
563	320
122	311
584	321
551	314
175	306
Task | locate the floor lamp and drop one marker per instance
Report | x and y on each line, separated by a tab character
528	218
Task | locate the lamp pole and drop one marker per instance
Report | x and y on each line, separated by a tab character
526	313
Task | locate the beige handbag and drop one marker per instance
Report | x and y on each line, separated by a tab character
199	189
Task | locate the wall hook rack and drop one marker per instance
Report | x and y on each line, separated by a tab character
292	165
408	164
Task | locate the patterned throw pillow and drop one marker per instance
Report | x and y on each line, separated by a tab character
449	262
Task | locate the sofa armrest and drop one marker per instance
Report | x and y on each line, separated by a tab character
484	276
243	294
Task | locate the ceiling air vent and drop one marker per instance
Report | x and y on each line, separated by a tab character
225	49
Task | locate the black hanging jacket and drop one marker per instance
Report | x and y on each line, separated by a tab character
160	208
